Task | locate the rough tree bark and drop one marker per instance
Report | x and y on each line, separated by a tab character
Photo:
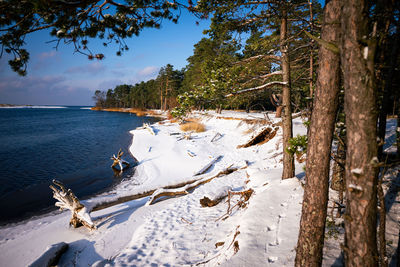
315	200
357	58
287	128
311	73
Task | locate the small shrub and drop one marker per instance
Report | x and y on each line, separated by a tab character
193	126
298	145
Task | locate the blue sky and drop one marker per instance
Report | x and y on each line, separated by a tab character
60	77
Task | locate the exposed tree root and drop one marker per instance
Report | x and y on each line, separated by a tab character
68	200
119	161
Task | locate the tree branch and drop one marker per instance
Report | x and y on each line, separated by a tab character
328	45
256	88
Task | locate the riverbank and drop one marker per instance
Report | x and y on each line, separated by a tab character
71	144
136	111
255	231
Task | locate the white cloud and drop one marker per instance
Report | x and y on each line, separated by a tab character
147	72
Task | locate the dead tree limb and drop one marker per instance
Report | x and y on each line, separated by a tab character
216	137
149	128
81	213
261	138
118	160
67	200
208	166
244	197
212	199
190	187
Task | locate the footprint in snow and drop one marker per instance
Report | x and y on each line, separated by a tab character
272	259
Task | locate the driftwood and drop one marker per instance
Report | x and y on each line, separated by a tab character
216	137
186	136
118	160
214	198
51	256
163	192
208	166
67	200
81	214
149	128
207	202
261	138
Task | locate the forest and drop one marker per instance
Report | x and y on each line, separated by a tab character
338	64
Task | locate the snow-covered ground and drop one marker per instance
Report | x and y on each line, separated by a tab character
178	231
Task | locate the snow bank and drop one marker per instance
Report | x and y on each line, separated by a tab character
179	231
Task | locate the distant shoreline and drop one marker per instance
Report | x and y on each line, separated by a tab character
13	105
136	111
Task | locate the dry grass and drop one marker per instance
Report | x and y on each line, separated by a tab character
138	112
193	126
248	131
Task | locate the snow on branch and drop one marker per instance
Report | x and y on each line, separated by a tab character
278	58
184	190
67	200
256	88
265	76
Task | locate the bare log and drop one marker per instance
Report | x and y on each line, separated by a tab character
51	256
80	212
261	138
189	187
208	166
67	200
213	198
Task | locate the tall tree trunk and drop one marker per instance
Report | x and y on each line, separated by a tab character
161	97
288	159
311	74
385	72
166	94
357	57
312	225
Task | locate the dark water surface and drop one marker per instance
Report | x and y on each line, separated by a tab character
70	144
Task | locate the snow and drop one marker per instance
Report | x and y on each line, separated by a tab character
178	231
357	171
356	187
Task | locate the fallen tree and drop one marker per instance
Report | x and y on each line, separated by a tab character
261	138
163	192
81	213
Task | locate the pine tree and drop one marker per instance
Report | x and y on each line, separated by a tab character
315	201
